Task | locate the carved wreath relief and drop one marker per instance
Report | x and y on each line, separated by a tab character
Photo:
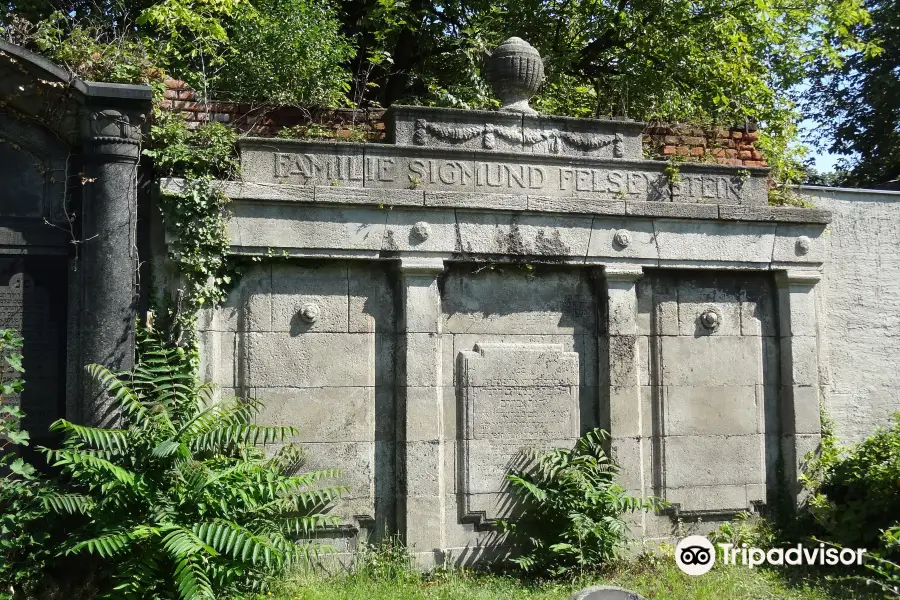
622	238
556	139
310	312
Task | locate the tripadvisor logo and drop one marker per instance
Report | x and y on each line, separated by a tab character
695	555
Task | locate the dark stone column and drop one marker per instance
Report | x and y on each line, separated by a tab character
108	256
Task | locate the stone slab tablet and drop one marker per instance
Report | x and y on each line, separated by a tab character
514	396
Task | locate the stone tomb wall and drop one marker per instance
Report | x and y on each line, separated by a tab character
519	368
523	359
709	392
447	300
860	303
317	342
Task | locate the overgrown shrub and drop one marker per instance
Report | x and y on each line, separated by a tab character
883	573
387	560
24	537
752	530
572	509
92	51
855	491
288	52
177	498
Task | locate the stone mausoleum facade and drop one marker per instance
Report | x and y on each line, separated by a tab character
480	283
488	281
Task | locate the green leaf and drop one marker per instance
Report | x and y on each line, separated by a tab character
20	467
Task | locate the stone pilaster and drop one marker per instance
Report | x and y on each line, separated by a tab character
420	411
801	425
625	425
108	253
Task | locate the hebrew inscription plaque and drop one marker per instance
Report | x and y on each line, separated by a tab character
514	396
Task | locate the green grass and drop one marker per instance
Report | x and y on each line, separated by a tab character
659	581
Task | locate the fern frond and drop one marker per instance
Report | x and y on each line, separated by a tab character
181	543
68	503
308	525
74	458
240	433
533	491
108	440
123	396
104	546
137	578
111	544
192	581
241	544
171	447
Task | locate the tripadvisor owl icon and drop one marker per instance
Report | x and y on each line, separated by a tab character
695	555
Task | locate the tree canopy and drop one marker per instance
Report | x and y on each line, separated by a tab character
858	103
720	62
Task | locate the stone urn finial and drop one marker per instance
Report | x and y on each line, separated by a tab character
515	71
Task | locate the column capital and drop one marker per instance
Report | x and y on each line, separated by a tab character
409	265
112	135
622	273
798	276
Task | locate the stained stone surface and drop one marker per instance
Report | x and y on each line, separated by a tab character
514	397
489	282
332	379
712	399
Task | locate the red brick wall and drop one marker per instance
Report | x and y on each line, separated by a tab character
724	146
661	142
266	121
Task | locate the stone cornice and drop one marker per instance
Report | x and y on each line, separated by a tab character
331	195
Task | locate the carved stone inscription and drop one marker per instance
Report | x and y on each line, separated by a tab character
492	176
514	396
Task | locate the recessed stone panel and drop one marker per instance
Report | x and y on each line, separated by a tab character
308	299
711	410
514	396
511	299
321	414
699	460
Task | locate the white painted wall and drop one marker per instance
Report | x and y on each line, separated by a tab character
860	300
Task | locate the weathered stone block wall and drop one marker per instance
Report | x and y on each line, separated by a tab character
861	306
520	369
485	283
709	392
316	342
